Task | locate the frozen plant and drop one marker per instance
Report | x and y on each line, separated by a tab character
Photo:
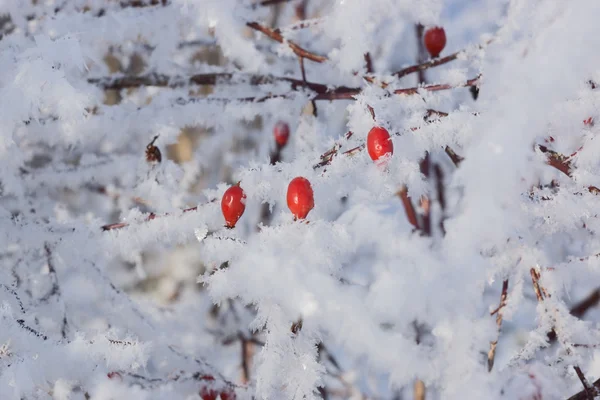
299	199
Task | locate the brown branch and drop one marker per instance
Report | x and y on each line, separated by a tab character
499	316
563	164
368	63
408	207
441	194
425	164
579	309
540	292
323	92
278	37
432	63
328	156
557	160
246	354
151	216
142	3
303	73
438	87
162	80
272	2
590	391
583	395
427	64
456	159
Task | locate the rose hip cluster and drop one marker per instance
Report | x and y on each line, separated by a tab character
300	196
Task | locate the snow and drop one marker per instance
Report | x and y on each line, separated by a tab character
119	279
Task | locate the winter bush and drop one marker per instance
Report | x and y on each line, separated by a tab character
464	266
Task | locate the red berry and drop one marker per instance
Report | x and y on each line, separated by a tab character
227	395
281	131
211	394
300	198
379	143
114	375
233	205
208	394
435	40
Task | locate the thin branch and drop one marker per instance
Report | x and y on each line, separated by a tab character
142	3
579	309
456	159
323	92
583	395
151	216
162	80
432	63
271	2
590	391
246	352
369	63
557	160
278	37
499	316
540	292
438	87
441	194
408	207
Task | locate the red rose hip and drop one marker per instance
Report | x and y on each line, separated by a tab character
435	40
233	205
379	143
300	198
281	131
211	394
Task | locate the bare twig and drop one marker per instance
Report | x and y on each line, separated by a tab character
579	309
438	87
441	194
272	2
456	159
590	391
499	315
432	63
583	395
369	63
557	160
246	355
151	216
408	207
278	37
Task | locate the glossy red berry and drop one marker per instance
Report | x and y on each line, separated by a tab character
435	40
379	143
300	198
227	395
281	131
211	394
233	205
